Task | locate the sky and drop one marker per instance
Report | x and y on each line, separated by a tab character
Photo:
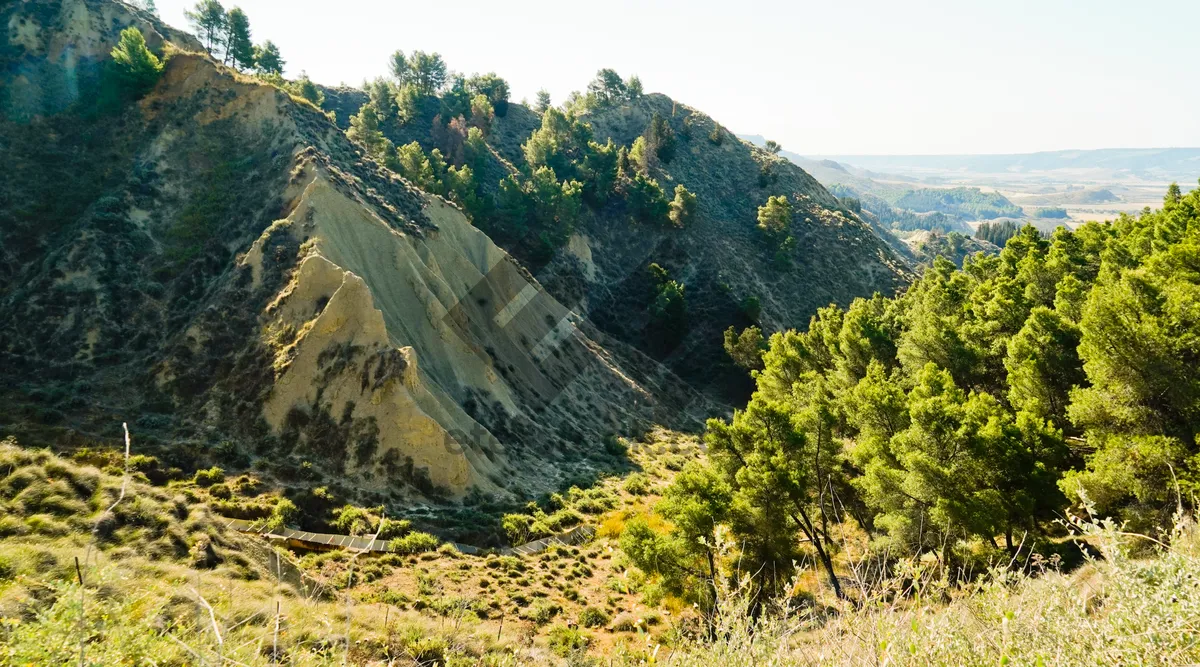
853	77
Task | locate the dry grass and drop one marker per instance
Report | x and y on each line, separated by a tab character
216	597
1119	611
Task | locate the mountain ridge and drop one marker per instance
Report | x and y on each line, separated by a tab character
243	284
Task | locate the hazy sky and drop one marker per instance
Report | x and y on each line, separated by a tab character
865	77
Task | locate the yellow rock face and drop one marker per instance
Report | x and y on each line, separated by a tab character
348	350
398	329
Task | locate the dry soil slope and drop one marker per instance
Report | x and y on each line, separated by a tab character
218	264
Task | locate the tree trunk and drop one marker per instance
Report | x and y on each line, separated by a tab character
810	531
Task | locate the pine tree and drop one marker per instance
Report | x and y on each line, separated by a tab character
642	156
364	128
415	166
308	90
607	88
746	349
780	464
383	98
208	20
543	101
494	88
239	49
1174	196
1043	365
400	68
661	138
482	113
687	559
428	72
633	88
775	217
137	67
683	207
267	58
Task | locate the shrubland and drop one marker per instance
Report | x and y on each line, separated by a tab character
228	598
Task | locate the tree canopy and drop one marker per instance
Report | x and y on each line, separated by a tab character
426	72
239	49
207	18
968	412
267	58
136	66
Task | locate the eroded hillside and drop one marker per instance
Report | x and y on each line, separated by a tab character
721	256
217	264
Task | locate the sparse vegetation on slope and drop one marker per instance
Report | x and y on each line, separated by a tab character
181	281
145	598
627	153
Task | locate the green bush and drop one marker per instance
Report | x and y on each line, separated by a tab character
390	529
415	542
564	641
647	201
625	623
8	569
683	207
542	612
137	68
563	519
614	447
353	520
206	478
638	484
282	514
591	617
517	527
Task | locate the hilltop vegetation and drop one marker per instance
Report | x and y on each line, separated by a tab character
590	193
898	206
953	246
187	283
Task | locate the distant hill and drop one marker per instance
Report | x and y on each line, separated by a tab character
958	201
831	171
1155	163
898	205
1084	196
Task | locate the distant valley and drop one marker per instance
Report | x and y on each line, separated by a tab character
914	196
1088	184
